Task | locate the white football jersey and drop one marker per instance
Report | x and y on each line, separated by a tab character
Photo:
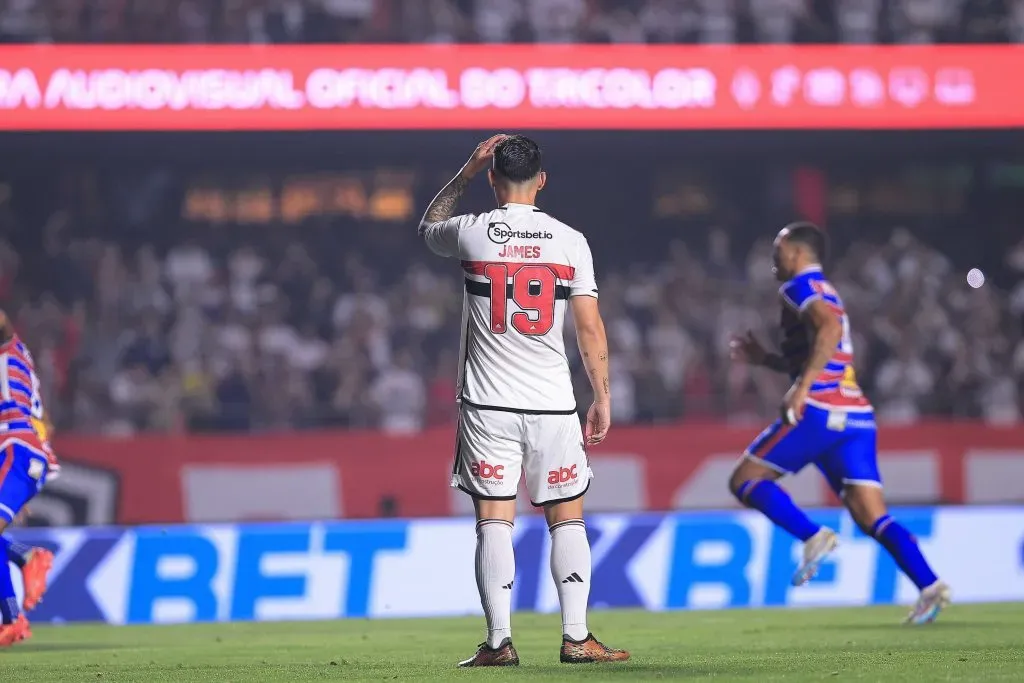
521	267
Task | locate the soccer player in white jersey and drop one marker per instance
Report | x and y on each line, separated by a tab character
517	415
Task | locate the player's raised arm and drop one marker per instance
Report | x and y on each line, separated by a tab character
437	227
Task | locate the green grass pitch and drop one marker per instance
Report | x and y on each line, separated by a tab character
969	643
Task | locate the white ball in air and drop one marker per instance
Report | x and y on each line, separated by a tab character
975	278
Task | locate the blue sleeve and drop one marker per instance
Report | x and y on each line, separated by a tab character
798	293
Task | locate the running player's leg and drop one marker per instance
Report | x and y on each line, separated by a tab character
488	464
852	471
557	477
8	602
18	554
779	450
35	565
22	476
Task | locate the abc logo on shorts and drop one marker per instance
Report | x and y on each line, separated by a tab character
483	470
562	475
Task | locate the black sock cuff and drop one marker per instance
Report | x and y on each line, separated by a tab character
484	522
567	523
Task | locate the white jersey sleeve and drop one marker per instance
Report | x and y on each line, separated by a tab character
584	282
443	237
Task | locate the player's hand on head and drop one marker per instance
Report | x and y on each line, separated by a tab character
599	421
482	155
746	349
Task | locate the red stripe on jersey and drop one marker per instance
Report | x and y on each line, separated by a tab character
836	398
835	308
18	376
8	461
773	440
11	346
477	268
821	286
18	351
840	357
20	413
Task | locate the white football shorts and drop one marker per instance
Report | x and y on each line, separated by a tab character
495	448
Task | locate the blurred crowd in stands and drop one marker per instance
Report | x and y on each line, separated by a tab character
504	21
188	331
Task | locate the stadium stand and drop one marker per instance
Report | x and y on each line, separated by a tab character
497	21
190	323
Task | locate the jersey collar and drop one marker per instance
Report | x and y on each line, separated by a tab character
514	205
816	268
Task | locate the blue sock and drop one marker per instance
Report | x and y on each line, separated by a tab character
776	505
902	545
8	601
18	553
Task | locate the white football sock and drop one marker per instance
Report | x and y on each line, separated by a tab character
570	568
495	571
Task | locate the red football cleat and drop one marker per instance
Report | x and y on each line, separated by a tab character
15	633
34	575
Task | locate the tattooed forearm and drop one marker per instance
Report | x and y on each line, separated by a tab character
593	343
596	363
443	205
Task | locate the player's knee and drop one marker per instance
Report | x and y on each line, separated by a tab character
742	476
564	511
741	483
865	521
736	482
495	509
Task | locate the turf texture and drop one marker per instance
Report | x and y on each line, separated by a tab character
968	643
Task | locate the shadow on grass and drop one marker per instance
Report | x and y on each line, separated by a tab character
633	670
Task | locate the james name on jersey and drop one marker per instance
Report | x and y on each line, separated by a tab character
517	285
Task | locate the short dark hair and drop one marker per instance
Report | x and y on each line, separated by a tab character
809	235
517	158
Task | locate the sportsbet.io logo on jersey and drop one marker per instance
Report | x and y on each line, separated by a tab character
499	233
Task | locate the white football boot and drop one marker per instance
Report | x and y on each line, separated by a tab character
816	549
933	600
